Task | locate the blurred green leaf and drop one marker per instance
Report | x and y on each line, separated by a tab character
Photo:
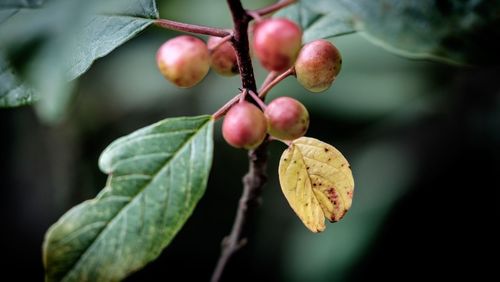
13	93
156	177
113	24
319	24
8	8
20	3
91	31
452	31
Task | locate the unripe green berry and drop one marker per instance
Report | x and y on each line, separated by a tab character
317	65
223	58
244	126
287	118
183	60
276	42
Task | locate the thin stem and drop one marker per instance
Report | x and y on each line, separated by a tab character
257	99
243	95
200	29
272	8
224	109
253	182
222	41
256	16
263	92
286	142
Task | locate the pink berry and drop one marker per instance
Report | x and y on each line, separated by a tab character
317	65
244	126
287	118
183	60
223	58
276	42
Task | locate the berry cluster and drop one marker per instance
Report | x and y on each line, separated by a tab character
277	43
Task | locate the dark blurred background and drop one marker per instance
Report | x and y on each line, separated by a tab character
423	140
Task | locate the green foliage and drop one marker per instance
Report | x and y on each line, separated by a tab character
13	93
156	176
91	31
8	8
451	31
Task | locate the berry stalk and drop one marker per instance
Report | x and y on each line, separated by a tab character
192	28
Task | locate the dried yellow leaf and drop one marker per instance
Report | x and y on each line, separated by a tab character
317	182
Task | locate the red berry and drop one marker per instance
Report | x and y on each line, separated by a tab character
276	43
223	58
183	60
244	126
287	118
317	65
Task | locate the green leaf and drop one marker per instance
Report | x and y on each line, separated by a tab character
156	177
319	24
20	3
8	8
114	24
454	31
92	29
13	93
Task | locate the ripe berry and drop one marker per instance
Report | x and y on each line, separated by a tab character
276	43
317	65
223	58
183	60
287	118
244	126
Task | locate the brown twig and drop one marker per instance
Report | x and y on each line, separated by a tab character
258	100
269	78
222	41
272	8
192	28
256	177
253	182
224	109
263	92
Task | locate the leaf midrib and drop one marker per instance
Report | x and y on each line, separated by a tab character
153	177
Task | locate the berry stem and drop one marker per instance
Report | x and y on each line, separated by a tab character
269	78
286	142
272	8
257	99
224	40
224	109
243	95
265	89
199	29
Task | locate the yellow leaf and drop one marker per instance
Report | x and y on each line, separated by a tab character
317	182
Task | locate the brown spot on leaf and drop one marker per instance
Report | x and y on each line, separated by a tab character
326	150
332	195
